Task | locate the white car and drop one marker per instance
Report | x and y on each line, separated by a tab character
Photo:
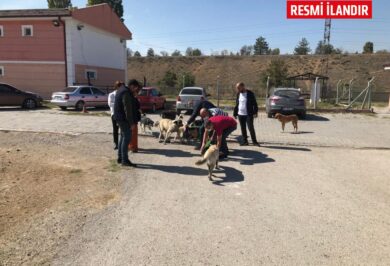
80	96
189	97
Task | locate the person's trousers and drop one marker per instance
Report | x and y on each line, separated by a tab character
133	146
224	147
115	130
124	141
247	120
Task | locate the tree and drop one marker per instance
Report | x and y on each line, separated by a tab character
189	51
246	50
189	80
116	5
137	54
129	52
302	48
169	80
150	53
324	48
368	48
277	71
225	52
59	3
275	51
164	53
384	51
196	52
261	46
176	53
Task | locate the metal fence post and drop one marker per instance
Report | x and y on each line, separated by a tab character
337	91
218	91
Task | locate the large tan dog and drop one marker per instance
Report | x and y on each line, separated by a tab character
211	157
168	126
284	119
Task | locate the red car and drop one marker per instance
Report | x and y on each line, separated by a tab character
151	99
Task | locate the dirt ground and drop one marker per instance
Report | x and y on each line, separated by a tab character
65	201
49	184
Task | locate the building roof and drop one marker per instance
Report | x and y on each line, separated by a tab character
100	16
30	13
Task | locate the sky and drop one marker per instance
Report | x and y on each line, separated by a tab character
216	25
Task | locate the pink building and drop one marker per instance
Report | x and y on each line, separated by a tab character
45	50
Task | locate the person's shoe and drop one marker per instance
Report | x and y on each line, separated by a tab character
119	160
245	143
129	164
222	156
256	144
115	146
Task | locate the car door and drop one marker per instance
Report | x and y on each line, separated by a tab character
100	97
10	96
157	98
86	96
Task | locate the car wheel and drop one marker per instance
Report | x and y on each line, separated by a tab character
80	105
63	108
29	104
269	115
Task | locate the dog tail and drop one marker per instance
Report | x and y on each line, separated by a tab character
200	162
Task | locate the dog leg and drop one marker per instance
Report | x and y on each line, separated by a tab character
167	135
216	165
159	137
210	172
283	124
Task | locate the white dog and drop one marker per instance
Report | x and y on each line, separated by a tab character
168	126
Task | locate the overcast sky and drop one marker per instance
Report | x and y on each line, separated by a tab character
215	25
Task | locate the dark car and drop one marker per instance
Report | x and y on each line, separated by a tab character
286	101
151	99
10	96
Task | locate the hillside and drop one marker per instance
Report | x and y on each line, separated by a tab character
250	69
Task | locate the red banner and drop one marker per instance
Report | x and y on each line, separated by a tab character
341	9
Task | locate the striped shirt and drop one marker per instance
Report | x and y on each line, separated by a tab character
217	112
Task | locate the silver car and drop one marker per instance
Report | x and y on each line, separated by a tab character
80	96
286	101
189	97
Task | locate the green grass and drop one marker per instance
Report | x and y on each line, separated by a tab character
100	114
113	167
48	104
75	171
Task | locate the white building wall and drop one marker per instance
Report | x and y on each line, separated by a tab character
93	47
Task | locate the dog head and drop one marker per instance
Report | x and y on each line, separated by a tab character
156	124
149	122
277	116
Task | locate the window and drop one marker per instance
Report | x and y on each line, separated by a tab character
97	92
92	74
154	92
5	89
1	71
192	92
27	30
143	93
85	90
1	31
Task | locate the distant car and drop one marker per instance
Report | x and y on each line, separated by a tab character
151	99
11	96
78	96
189	97
286	101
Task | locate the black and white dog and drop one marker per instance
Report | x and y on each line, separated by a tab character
146	122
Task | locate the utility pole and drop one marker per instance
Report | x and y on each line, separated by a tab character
184	80
218	91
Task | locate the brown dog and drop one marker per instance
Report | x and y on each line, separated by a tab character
284	119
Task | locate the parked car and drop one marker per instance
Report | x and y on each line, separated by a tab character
11	96
286	101
78	96
189	97
151	99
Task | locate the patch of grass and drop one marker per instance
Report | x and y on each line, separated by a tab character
75	171
113	166
49	105
99	114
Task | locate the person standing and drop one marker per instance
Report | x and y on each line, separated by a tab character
125	117
111	103
133	146
246	110
223	127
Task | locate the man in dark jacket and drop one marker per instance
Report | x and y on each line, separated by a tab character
125	114
246	109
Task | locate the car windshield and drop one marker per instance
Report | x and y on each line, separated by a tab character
69	89
143	93
191	92
287	93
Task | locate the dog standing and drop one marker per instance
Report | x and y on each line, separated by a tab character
168	126
146	122
284	119
211	157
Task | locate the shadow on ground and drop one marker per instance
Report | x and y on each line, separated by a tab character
287	148
313	117
232	175
181	170
169	153
249	157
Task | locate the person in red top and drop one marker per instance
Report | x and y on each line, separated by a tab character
223	126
